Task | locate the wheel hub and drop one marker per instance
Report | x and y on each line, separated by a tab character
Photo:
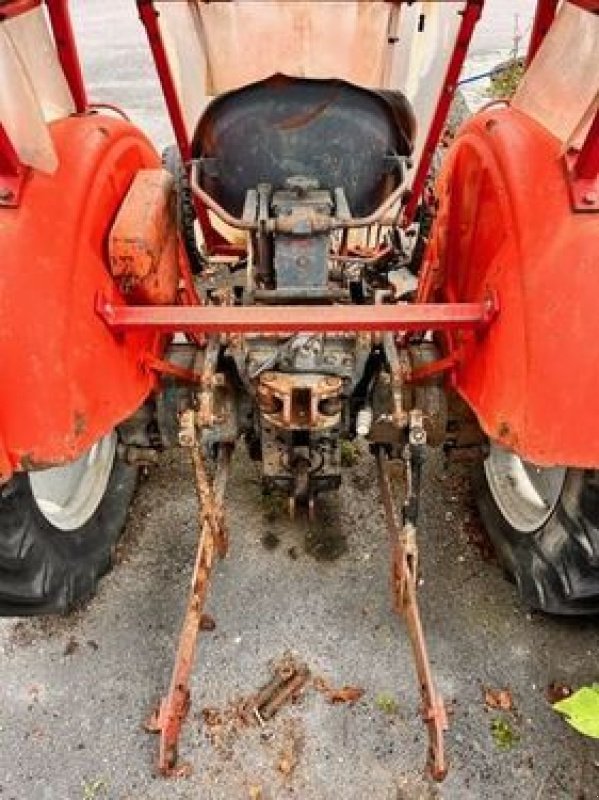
69	495
525	494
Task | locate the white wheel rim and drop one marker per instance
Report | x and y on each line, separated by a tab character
525	494
68	496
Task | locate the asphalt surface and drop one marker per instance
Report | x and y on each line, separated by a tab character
75	691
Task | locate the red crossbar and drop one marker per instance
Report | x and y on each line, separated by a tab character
290	319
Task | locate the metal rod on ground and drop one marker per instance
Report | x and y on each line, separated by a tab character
404	579
175	706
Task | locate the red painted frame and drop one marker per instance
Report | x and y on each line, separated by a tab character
582	171
544	16
470	17
401	317
12	8
62	28
149	17
12	172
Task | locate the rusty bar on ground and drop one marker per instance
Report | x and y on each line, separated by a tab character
285	693
175	706
433	708
289	319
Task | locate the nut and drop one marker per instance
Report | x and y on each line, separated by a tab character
6	195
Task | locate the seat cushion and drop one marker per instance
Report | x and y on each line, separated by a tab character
340	134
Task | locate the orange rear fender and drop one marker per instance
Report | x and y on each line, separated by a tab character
66	380
505	224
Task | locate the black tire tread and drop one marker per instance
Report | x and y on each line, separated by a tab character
556	568
45	571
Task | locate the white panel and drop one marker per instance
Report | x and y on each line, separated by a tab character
215	47
33	89
220	46
422	57
561	87
31	38
249	41
185	48
20	112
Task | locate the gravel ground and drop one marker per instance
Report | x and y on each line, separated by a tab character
74	691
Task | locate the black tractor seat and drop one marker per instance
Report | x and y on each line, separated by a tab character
334	132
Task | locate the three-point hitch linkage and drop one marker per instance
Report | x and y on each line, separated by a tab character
210	476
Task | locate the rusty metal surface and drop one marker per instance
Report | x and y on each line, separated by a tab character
12	172
293	401
404	585
143	246
212	539
285	693
582	171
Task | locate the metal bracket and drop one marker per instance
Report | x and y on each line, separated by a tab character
582	170
12	173
584	191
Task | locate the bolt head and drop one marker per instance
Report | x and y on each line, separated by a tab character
590	198
417	436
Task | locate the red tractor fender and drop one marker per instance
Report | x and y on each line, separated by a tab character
505	225
66	379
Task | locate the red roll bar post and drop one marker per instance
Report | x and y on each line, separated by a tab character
544	16
149	16
470	16
62	28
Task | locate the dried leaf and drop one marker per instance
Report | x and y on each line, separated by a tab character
500	699
207	623
288	757
557	691
212	716
255	793
287	764
347	694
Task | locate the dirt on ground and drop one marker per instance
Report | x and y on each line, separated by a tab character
75	691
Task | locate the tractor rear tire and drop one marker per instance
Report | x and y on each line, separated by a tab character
544	525
186	215
58	530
